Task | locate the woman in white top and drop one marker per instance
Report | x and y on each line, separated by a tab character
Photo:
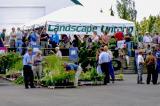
58	52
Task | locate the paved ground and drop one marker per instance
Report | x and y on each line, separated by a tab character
125	93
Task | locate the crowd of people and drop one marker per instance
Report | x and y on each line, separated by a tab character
146	51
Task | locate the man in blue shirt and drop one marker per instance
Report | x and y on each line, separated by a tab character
104	60
54	39
27	69
77	68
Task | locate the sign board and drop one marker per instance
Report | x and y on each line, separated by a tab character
88	29
73	54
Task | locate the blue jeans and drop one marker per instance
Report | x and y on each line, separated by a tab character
129	48
19	45
111	71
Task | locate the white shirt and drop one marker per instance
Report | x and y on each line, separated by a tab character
59	54
104	58
110	54
140	59
12	34
147	39
95	39
19	35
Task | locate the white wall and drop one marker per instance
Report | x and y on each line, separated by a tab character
16	12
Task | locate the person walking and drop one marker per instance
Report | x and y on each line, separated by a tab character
104	60
140	65
27	69
151	72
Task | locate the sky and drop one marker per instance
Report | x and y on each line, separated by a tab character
145	8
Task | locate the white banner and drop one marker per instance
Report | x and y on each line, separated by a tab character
88	29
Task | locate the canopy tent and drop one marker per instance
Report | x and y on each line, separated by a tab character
81	20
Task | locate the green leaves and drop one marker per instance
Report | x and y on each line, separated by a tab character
126	9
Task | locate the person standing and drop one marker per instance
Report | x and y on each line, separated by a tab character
151	72
147	39
58	52
37	66
1	42
33	38
12	39
111	69
76	41
120	39
77	68
104	60
3	34
158	62
54	39
128	39
95	37
105	38
19	42
44	42
27	69
140	64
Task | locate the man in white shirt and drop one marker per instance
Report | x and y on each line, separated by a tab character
104	60
140	63
147	39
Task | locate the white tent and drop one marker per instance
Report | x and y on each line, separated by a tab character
81	16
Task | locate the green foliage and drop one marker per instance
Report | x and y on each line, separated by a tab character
126	9
91	75
151	24
19	80
87	56
10	61
55	72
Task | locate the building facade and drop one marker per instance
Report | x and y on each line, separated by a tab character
17	12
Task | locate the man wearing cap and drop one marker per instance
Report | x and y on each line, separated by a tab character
27	69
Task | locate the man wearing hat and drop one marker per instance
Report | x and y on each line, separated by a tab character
147	39
27	69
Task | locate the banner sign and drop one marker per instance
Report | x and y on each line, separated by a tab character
88	29
73	54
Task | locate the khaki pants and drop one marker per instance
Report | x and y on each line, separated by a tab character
78	73
37	71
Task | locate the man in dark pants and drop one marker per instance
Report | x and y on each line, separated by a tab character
27	69
151	71
104	60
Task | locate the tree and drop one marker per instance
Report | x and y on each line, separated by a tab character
126	9
112	12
